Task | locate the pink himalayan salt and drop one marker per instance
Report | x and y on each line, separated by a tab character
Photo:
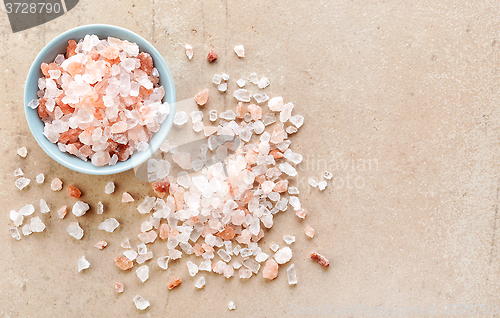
126	197
301	213
61	213
270	269
255	111
202	97
281	186
147	237
119	287
101	244
309	231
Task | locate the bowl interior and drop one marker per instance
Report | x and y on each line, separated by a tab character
58	46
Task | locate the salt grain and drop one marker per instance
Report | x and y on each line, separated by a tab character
217	79
141	303
101	244
212	115
291	275
274	247
189	51
61	213
239	50
22	183
143	273
200	283
222	87
297	121
80	208
231	305
75	230
119	287
40	178
276	104
313	182
18	172
27	210
56	185
241	82
322	185
14	232
180	118
309	231
263	82
289	239
260	97
163	262
192	268
283	255
44	208
83	264
242	95
252	78
327	175
22	152
126	197
201	99
109	225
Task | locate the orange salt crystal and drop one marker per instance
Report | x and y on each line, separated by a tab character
161	188
101	244
309	231
164	231
227	234
276	154
174	282
124	263
202	97
94	55
247	196
281	186
146	62
42	109
71	135
179	199
111	53
301	213
260	179
320	259
70	50
212	56
74	191
270	269
74	68
49	67
174	232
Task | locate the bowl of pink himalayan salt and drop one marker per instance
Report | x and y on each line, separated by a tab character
99	99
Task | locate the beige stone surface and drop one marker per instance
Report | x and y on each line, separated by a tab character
401	105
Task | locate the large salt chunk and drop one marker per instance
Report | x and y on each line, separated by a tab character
80	208
143	273
75	230
283	255
242	95
109	225
83	264
140	303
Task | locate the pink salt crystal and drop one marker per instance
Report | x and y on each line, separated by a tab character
119	287
148	237
101	244
281	186
126	197
202	97
119	127
228	271
244	237
278	134
174	282
320	259
56	185
239	111
198	250
301	213
238	217
309	231
61	213
270	269
255	111
164	231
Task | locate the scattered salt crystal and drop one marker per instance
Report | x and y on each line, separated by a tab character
27	210
61	213
144	257
269	119
119	287
26	229
252	78
263	82
192	268
217	79
245	272
163	262
291	130
293	190
212	115
101	244
146	226
291	275
75	230
142	248
22	183
274	247
140	303
276	104
174	254
309	231
206	265
83	264
44	208
322	185
228	115
260	97
56	185
109	225
142	146
37	225
189	51
125	244
225	77
59	59
286	113
196	116
200	283
231	305
126	197
295	203
289	239
180	118
224	255
143	273
283	255
148	237
40	178
239	50
327	175
80	208
242	95
14	232
241	82
146	205
202	97
313	182
301	213
100	208
252	265
297	120
17	218
222	87
288	169
18	172
165	146
23	152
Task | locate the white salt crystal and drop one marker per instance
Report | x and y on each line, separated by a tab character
155	72
241	82
17	218
224	255
26	229
313	182
200	283
260	97
22	183
206	265
291	130
251	264
258	127
174	254
276	104
146	226
212	115
322	185
297	120
75	230
18	172
40	178
27	210
252	78
260	257
289	239
263	83
293	190
231	305
44	208
242	95
163	262
288	169
144	257
189	51
222	87
125	244
142	146
293	157
100	207
23	152
196	116
217	79
327	175
180	118
56	185
295	203
198	126
192	268
83	264
143	273
14	232
286	113
140	303
183	179
130	254
236	265
109	225
283	255
228	115
146	205
59	59
80	208
239	50
245	272
291	275
225	77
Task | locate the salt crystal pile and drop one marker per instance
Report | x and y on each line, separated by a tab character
141	303
22	152
109	225
83	264
75	230
102	101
